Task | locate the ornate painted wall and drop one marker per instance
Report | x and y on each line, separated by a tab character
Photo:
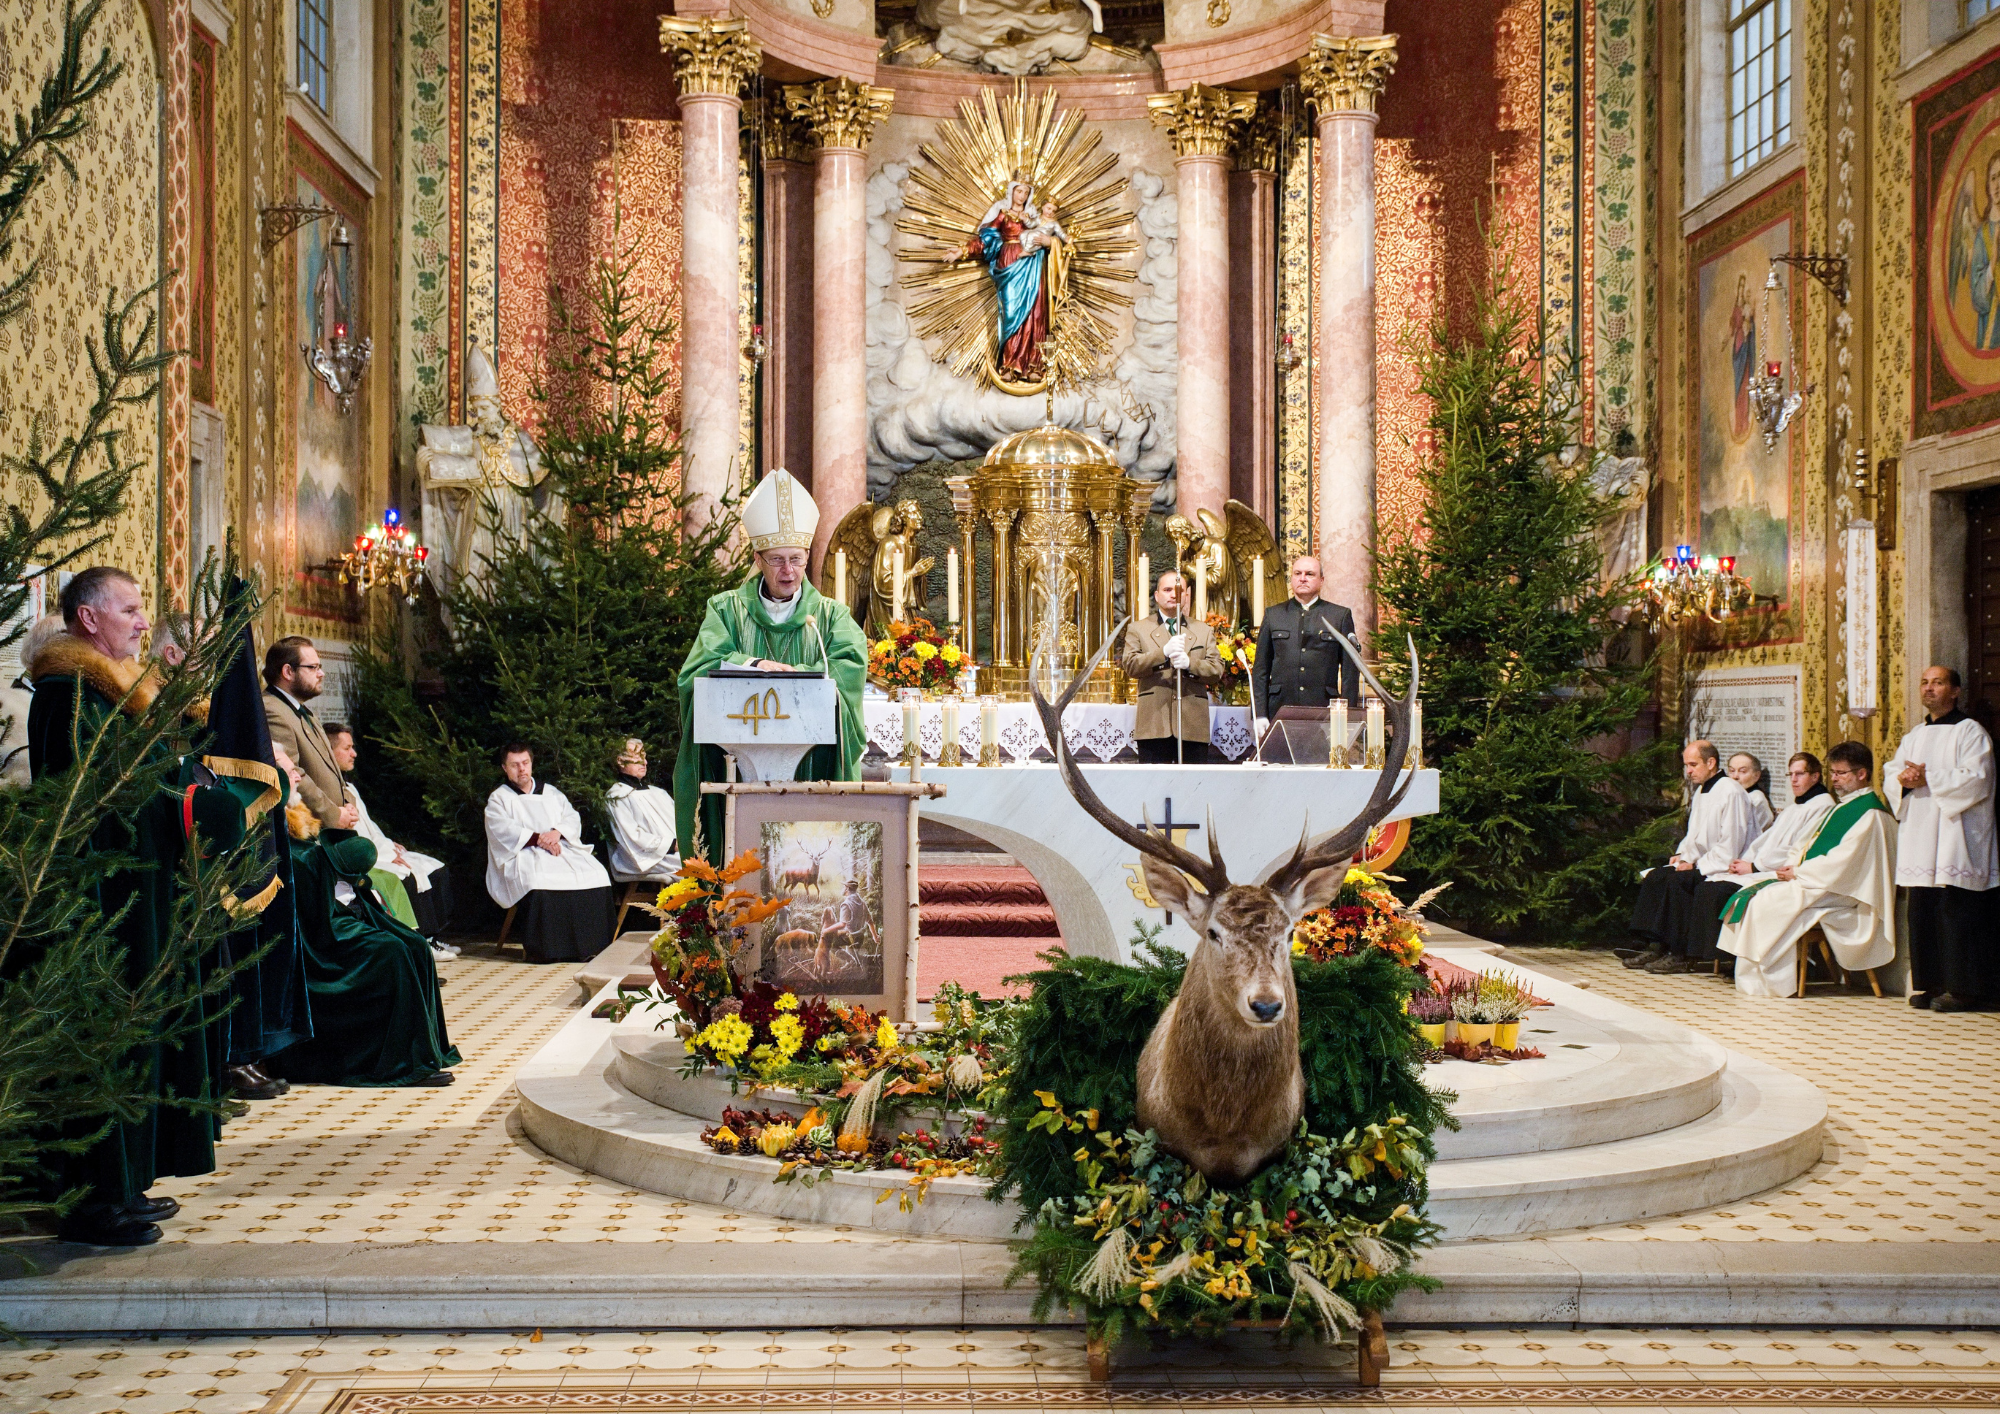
93	234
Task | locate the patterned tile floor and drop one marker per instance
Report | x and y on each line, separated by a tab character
238	1374
1913	1141
1914	1138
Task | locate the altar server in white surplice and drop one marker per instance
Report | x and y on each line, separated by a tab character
642	821
1940	785
537	863
1844	881
1721	824
1747	771
1781	843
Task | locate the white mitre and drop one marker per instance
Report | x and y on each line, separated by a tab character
780	513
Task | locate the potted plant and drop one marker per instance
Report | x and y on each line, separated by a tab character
1474	1026
1430	1012
1506	1000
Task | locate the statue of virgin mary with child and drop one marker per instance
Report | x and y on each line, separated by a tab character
1026	253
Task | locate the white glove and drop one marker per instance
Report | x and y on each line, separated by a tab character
1263	725
1178	657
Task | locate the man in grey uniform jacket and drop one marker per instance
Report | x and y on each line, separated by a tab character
1299	661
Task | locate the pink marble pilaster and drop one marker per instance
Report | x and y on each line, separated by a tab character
1253	341
788	316
710	404
1203	419
840	317
1344	329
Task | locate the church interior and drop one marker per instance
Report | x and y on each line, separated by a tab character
816	525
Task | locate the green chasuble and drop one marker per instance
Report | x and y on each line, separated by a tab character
735	630
1832	830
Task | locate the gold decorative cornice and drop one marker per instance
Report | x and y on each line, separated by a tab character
1256	145
785	138
840	112
1200	120
1345	75
710	56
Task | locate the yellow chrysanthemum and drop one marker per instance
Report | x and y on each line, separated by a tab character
950	653
885	1035
925	650
677	893
788	1002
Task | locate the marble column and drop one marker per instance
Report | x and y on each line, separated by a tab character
787	294
841	114
1253	309
1200	121
1341	78
712	58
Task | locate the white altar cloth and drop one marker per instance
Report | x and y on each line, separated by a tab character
1092	878
1096	730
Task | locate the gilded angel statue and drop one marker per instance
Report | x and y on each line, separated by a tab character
1227	552
868	537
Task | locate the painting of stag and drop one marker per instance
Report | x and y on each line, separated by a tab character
829	937
1219	1078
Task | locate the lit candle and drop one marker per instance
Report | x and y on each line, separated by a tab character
1201	587
989	731
1336	741
951	586
1416	735
948	709
912	700
1145	585
896	583
1378	730
840	576
1257	592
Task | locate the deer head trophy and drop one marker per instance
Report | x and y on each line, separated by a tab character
1219	1078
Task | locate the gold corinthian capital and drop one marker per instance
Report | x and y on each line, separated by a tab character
1200	120
841	112
1345	75
710	56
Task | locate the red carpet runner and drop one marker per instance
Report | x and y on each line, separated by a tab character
981	923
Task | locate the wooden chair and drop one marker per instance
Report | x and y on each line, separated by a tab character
505	924
632	891
1816	937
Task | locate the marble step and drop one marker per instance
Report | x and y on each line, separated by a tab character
1767	1130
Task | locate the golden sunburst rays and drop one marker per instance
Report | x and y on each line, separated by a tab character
968	167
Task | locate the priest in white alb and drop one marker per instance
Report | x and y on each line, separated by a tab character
1844	880
642	821
538	865
1782	842
1940	785
1721	824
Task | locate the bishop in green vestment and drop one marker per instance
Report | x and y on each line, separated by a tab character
774	619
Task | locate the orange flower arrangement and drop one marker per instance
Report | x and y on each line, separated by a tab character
918	654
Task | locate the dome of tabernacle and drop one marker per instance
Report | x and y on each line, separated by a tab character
1049	446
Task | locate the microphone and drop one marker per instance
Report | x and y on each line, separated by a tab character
825	664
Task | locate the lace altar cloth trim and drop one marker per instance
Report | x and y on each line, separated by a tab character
1096	731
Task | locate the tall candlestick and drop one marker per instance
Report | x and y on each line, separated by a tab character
1378	734
1257	592
1336	739
951	585
1201	587
896	583
989	731
840	576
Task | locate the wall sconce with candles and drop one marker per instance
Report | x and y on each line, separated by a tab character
1684	588
388	555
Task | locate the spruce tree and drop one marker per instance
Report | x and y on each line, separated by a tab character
75	1024
572	637
1530	676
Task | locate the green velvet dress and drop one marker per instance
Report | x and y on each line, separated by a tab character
378	1017
737	629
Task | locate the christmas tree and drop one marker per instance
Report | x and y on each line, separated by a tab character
1531	678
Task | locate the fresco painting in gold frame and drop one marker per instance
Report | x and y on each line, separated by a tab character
1956	212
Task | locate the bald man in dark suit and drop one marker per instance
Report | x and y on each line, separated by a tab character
1300	662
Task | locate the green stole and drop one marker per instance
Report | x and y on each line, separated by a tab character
1832	830
736	629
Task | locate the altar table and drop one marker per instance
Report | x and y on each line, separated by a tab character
1095	730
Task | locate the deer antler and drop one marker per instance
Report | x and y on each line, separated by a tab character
1386	796
1211	874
